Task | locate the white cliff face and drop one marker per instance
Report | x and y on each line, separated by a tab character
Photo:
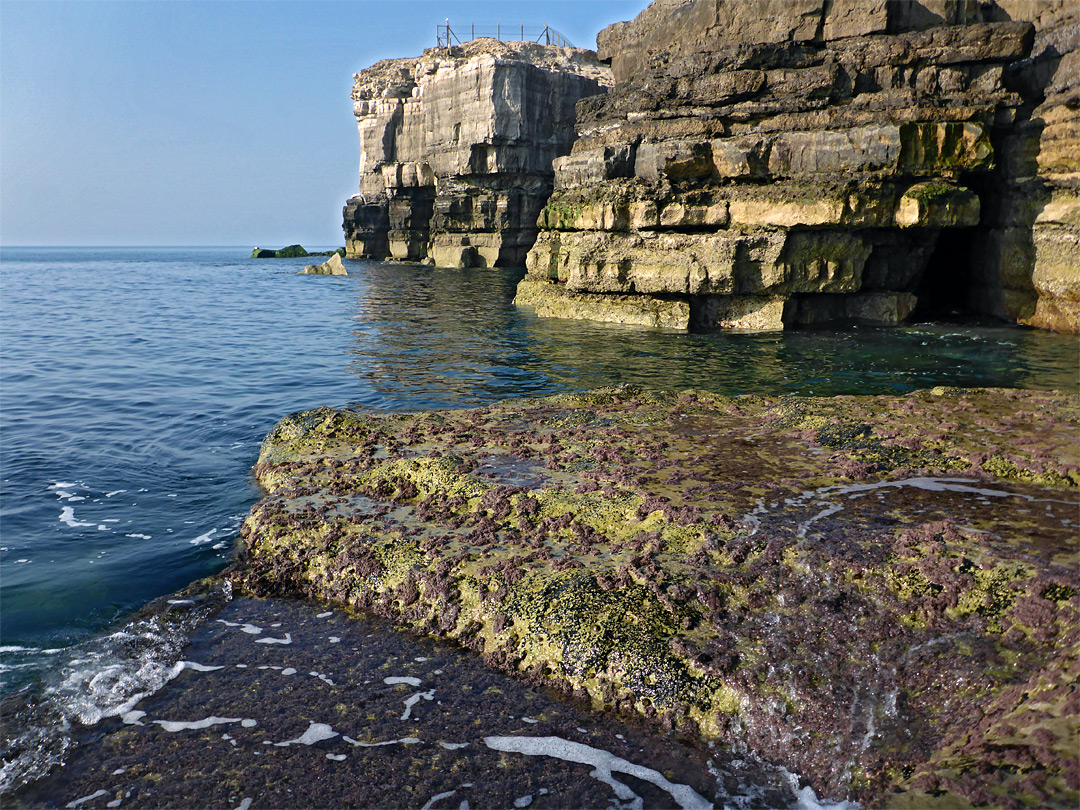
457	149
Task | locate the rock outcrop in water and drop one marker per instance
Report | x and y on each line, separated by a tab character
759	165
457	149
876	592
333	267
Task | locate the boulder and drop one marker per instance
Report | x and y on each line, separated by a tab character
332	267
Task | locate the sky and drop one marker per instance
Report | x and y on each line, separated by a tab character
179	122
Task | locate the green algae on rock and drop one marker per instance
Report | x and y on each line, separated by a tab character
878	592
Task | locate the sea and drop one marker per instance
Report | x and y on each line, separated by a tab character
136	385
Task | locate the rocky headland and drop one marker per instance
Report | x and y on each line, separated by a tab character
762	165
457	149
878	593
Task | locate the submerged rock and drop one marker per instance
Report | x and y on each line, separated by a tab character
876	592
289	704
332	267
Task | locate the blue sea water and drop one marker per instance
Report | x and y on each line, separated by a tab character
137	384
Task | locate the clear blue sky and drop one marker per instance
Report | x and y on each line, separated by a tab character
206	123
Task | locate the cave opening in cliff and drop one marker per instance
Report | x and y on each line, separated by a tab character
944	288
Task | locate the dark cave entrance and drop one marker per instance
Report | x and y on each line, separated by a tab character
944	288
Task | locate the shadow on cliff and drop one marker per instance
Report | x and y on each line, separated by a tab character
1001	251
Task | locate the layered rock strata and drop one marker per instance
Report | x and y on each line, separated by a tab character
763	165
879	593
457	149
1028	251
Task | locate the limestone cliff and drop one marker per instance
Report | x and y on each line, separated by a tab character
759	165
457	149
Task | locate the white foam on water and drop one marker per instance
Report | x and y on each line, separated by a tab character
412	700
67	516
244	628
604	764
808	800
402	741
114	492
103	676
286	640
63	485
203	538
140	536
316	732
133	718
438	797
406	679
89	798
198	667
189	725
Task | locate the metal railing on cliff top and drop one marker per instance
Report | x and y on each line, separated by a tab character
446	36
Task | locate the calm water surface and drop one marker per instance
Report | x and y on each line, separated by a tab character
137	385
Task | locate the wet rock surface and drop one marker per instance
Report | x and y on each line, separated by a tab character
876	592
296	704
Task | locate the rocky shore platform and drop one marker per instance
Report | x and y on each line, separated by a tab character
876	593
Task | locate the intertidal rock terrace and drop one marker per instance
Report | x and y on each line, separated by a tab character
879	593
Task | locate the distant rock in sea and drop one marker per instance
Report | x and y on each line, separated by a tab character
292	252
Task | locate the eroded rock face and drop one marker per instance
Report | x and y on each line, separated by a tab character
762	163
457	149
876	592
